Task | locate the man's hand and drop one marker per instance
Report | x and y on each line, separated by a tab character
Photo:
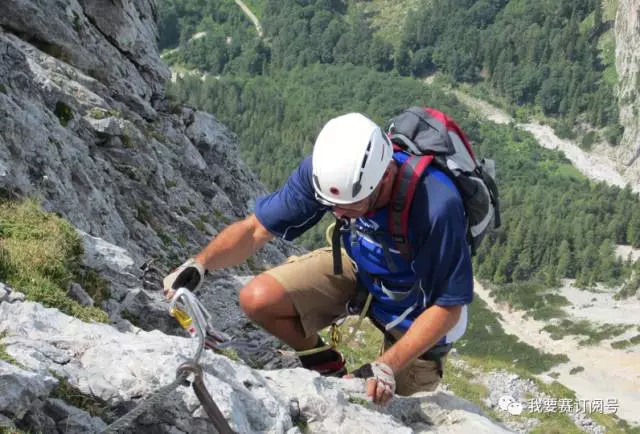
189	275
381	383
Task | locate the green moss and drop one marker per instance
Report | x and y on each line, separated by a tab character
100	113
359	401
127	141
170	183
142	212
3	88
230	353
3	352
166	240
77	26
95	286
130	316
40	253
185	209
63	112
199	224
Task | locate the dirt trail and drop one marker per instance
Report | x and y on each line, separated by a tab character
251	16
593	165
608	373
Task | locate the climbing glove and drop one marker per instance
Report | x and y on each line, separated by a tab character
189	275
381	383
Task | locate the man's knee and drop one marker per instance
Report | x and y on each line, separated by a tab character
419	376
264	297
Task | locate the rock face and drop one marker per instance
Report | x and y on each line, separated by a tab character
119	369
627	34
85	127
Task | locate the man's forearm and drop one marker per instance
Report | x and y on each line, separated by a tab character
234	244
423	334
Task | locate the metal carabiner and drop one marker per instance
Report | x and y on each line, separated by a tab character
209	405
190	313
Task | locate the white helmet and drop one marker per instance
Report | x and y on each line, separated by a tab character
349	158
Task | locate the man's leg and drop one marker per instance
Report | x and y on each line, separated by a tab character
296	299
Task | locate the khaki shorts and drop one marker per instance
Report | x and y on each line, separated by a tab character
319	296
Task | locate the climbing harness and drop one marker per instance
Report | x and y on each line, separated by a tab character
335	334
194	318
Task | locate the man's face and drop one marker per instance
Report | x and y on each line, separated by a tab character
356	209
353	210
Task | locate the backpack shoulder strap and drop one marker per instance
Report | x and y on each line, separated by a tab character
404	188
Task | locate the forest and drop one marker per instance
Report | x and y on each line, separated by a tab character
318	61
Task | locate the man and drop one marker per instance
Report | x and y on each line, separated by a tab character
420	303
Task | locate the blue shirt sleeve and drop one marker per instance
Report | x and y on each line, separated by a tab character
291	210
443	257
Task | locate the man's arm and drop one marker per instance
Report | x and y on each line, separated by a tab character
234	244
424	333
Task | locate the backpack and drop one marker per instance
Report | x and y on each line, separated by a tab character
433	138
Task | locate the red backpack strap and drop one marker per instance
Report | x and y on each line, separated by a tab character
404	188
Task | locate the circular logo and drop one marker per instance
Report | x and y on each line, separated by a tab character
505	401
515	408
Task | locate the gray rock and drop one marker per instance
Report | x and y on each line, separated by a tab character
20	388
72	420
120	368
38	421
9	295
6	423
100	254
77	293
149	313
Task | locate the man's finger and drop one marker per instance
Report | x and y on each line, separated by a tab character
381	391
371	388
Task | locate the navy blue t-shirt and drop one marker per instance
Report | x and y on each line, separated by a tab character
441	257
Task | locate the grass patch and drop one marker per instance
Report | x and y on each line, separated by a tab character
594	334
387	16
142	212
95	286
575	370
626	343
220	217
39	255
460	382
607	46
3	352
532	297
486	340
100	113
359	401
7	430
230	353
71	395
130	316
